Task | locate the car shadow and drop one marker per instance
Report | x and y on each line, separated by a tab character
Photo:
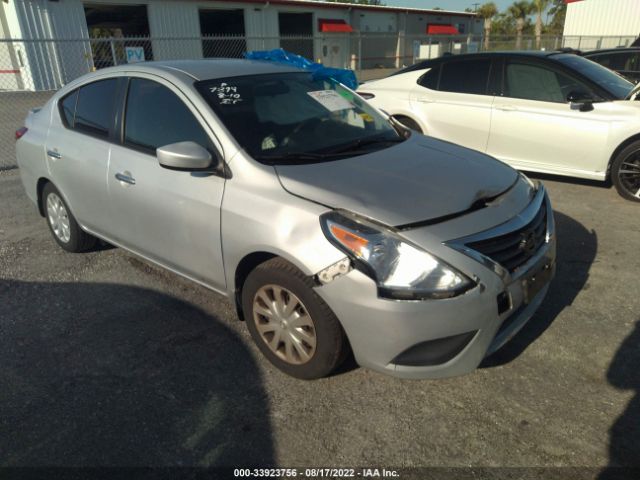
573	180
576	251
624	441
97	374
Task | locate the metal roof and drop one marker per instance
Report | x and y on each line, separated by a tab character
352	6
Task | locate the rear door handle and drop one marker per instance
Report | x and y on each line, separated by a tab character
54	154
125	177
425	100
507	108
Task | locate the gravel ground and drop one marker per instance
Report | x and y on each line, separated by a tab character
106	360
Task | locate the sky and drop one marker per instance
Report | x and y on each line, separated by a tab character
458	5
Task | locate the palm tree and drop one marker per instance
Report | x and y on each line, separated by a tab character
540	6
487	11
519	11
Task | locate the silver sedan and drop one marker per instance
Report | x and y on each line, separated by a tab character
331	227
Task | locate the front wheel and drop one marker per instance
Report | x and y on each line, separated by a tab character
291	325
625	172
408	122
63	225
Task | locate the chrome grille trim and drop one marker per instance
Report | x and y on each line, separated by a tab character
512	226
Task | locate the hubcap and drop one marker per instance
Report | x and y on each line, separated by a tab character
58	218
284	324
629	174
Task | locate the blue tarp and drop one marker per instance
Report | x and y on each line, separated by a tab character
342	75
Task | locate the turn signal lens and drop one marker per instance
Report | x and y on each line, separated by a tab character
350	240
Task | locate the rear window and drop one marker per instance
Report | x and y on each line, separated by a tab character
68	108
430	79
95	107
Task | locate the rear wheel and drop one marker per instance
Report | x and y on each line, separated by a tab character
625	172
409	123
64	228
291	325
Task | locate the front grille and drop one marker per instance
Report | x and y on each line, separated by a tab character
514	249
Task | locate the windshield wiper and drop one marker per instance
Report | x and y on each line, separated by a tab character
365	142
293	157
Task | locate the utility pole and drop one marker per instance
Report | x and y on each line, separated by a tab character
475	7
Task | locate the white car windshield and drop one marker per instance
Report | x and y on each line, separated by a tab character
615	84
292	117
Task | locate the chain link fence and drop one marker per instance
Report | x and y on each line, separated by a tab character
32	70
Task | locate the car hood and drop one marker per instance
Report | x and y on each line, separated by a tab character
418	180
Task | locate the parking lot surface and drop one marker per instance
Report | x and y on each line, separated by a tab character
107	360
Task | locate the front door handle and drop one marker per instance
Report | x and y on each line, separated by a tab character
507	108
54	154
425	100
125	177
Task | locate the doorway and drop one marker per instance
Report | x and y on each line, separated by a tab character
223	33
296	33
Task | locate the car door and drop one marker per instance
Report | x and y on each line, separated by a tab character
534	127
454	100
168	216
78	148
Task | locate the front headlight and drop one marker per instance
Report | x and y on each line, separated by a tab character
401	270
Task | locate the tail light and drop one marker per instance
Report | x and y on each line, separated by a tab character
20	132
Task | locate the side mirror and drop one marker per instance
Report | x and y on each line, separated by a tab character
580	100
184	156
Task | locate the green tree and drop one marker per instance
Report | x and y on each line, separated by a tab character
558	13
519	11
487	12
503	24
540	6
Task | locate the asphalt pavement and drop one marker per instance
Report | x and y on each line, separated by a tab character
107	360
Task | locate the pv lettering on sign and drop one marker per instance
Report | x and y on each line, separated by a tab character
134	54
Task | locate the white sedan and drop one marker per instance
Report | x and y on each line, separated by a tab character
548	112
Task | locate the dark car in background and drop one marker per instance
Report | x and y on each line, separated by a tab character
625	61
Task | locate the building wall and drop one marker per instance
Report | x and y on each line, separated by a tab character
175	30
603	18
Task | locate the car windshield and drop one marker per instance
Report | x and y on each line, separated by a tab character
610	81
294	117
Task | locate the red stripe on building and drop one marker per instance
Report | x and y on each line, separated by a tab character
9	71
441	29
333	25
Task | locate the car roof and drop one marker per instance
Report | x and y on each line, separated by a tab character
612	50
433	62
519	53
206	69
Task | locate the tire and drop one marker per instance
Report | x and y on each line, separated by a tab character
409	123
62	224
278	278
625	172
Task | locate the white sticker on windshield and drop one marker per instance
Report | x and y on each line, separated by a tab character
227	94
330	100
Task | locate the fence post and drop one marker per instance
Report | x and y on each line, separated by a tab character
360	52
113	52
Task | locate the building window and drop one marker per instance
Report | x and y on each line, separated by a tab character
112	28
222	33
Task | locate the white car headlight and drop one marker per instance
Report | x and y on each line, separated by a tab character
401	270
